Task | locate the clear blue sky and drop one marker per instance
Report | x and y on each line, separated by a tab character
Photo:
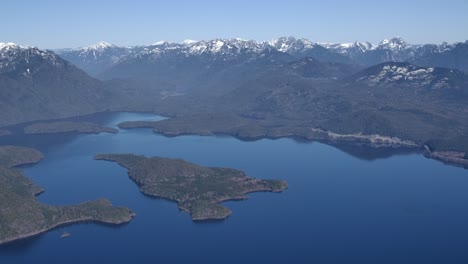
61	23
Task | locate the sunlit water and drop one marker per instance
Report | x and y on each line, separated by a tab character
338	208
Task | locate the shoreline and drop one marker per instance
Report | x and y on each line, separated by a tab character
375	141
20	194
57	127
330	139
65	223
453	158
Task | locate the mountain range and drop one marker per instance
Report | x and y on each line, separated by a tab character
98	59
417	93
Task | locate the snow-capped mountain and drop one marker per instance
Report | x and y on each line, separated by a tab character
25	60
292	45
167	59
227	47
349	48
39	84
393	44
230	47
364	53
96	58
100	50
397	50
453	56
301	48
99	58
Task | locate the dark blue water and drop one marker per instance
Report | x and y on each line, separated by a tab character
338	208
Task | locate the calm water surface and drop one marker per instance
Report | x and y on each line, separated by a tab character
338	208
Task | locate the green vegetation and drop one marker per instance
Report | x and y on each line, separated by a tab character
66	127
11	156
21	215
198	190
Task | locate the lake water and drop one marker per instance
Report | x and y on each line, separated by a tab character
339	208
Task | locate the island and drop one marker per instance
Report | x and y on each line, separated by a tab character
197	190
67	127
22	216
4	132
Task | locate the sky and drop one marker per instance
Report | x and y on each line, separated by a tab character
68	24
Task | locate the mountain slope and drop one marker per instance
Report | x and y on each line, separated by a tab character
429	106
313	68
38	84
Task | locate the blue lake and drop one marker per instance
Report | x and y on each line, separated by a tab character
339	208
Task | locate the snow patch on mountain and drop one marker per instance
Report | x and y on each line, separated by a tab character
407	74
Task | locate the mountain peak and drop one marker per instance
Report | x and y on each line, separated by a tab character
161	43
189	41
395	43
100	45
291	44
8	45
24	60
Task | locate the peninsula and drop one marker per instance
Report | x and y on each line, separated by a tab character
251	129
198	190
22	216
449	157
67	127
11	156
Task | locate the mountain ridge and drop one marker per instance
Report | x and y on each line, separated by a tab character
97	58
